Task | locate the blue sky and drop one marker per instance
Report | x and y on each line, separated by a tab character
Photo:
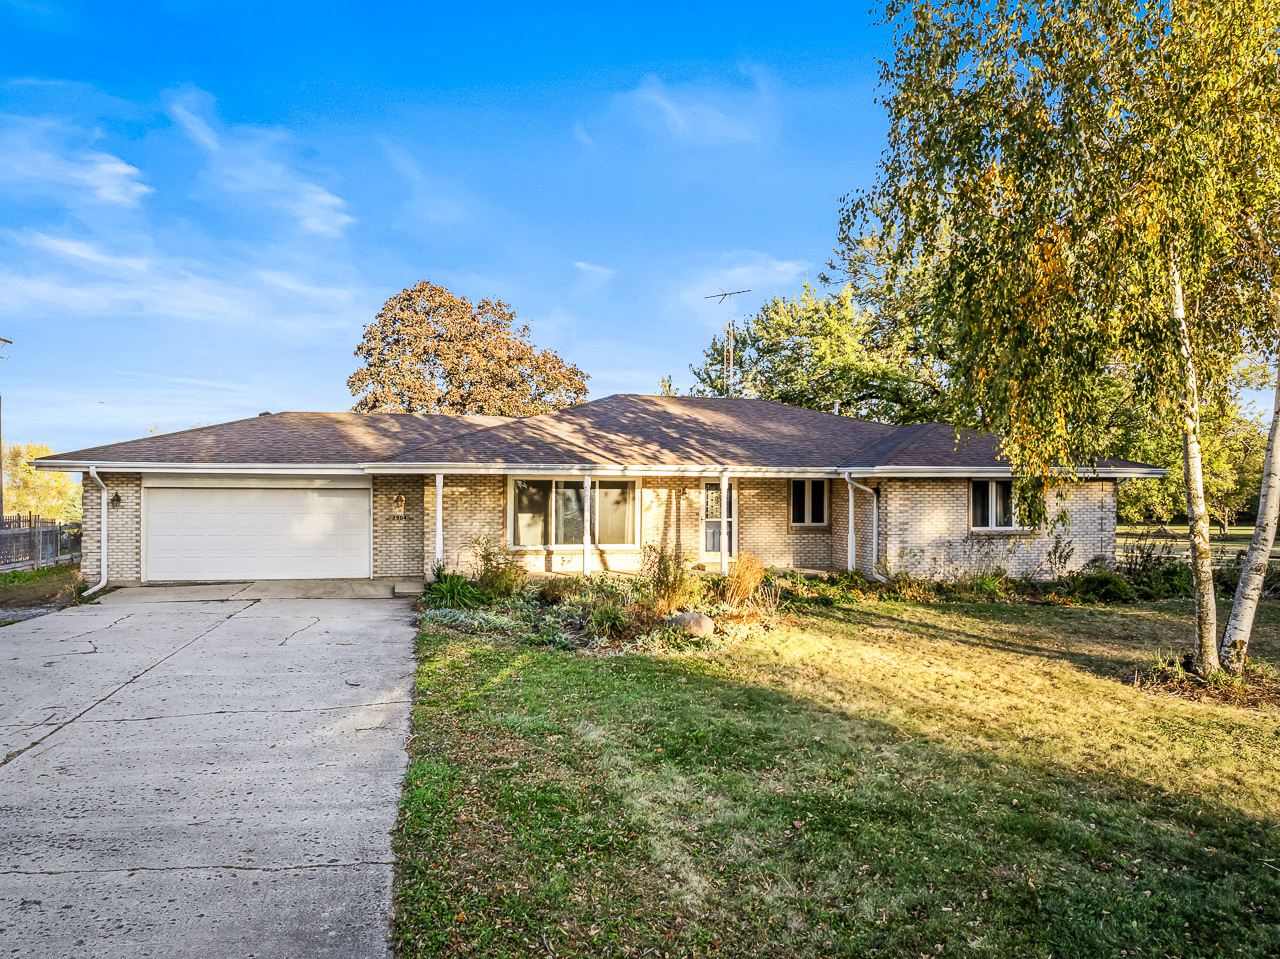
204	203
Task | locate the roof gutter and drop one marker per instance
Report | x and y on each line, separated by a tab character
266	469
102	532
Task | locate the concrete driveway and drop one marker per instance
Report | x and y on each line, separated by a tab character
196	771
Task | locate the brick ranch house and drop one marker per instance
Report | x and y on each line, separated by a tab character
385	495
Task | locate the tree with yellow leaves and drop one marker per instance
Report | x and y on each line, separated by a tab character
430	351
1084	175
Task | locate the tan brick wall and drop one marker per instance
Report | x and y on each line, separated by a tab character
764	508
672	513
397	543
839	524
124	530
473	506
926	530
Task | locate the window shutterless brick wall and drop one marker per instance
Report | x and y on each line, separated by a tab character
764	509
397	542
926	530
124	530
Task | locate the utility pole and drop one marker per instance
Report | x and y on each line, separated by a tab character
724	297
6	343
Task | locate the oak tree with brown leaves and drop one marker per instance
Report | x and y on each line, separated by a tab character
430	351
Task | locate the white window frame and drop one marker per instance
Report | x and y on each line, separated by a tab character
702	519
808	502
991	508
595	513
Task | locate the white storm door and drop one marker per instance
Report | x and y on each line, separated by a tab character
209	534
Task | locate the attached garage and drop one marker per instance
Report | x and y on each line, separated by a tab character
209	530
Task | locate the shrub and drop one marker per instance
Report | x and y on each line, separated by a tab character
671	581
1097	586
452	591
607	621
912	589
554	591
745	576
497	569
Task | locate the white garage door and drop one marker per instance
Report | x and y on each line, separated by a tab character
207	534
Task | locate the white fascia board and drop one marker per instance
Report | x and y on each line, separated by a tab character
578	469
253	469
970	472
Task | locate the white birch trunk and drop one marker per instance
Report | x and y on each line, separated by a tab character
1235	641
1206	645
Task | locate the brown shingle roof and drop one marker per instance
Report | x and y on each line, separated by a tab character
625	430
656	431
281	438
941	445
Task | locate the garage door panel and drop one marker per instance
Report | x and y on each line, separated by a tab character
197	533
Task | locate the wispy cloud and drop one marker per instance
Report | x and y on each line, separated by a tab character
86	254
432	198
763	275
247	160
592	270
38	156
77	278
705	115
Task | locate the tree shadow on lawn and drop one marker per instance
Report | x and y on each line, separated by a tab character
1108	641
716	803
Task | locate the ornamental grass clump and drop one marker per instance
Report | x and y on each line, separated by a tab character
452	591
745	576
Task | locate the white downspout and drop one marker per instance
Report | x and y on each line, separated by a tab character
102	532
724	524
852	545
586	524
439	518
875	524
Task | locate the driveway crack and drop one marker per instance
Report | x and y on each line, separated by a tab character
302	630
61	726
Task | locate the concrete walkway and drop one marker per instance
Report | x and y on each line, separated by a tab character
187	773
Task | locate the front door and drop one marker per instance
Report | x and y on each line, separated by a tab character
711	516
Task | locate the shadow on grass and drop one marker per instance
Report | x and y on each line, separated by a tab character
635	803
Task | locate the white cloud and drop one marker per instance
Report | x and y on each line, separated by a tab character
762	275
80	279
85	254
591	269
432	198
35	156
245	160
705	115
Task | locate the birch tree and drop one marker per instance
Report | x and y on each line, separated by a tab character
1080	171
1265	252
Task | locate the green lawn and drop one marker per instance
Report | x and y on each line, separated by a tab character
878	780
1224	548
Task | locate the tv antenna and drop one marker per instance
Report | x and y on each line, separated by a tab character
723	297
